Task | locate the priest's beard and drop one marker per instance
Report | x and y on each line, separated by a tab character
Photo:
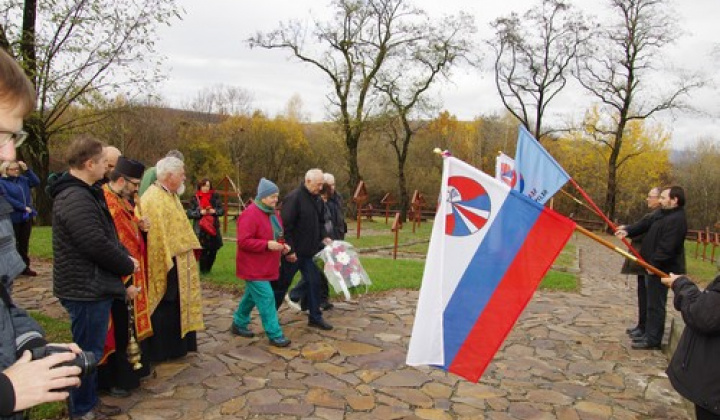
181	190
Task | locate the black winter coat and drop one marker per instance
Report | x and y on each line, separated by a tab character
664	244
694	370
193	212
89	259
629	266
302	220
334	204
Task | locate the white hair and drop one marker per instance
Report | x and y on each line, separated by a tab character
329	178
313	174
168	165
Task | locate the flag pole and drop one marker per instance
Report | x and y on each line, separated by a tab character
577	200
625	254
605	218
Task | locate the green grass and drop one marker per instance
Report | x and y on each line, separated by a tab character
385	273
41	242
703	272
56	331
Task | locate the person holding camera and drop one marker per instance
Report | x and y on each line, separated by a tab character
23	383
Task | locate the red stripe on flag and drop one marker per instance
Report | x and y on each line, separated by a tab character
542	245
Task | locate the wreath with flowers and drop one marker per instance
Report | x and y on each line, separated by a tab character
342	267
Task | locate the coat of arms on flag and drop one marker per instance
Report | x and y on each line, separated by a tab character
490	248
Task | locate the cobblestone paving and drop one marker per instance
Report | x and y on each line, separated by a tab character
567	358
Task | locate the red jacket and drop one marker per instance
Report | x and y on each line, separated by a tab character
254	261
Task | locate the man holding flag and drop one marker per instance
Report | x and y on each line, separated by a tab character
663	247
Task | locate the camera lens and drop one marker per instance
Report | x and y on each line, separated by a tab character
86	361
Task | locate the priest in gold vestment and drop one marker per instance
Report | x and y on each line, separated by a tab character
174	294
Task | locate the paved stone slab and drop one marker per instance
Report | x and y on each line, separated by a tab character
567	358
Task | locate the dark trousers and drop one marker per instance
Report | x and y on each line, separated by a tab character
324	288
656	303
207	259
22	239
642	302
310	290
703	414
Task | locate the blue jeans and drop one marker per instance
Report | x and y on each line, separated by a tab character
89	325
308	287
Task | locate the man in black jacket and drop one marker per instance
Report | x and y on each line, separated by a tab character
89	261
630	267
664	248
302	221
695	366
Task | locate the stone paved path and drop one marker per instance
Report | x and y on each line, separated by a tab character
567	358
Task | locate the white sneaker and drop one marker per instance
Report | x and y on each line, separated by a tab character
292	304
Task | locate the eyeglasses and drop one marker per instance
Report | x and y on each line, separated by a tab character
16	136
135	183
15	168
653	196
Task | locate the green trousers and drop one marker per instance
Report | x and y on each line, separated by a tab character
259	294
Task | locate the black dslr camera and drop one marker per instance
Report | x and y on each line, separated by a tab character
85	360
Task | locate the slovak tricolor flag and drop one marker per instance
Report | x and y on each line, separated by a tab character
542	175
489	249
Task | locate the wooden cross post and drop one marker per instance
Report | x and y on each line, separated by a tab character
396	226
359	198
387	201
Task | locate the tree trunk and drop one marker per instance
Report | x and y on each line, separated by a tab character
35	153
27	40
403	191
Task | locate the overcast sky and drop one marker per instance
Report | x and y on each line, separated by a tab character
208	48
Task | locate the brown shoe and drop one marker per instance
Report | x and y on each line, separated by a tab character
107	410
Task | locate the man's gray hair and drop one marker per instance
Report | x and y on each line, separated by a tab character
175	153
167	166
329	178
313	174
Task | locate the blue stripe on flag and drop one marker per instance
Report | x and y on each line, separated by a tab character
486	269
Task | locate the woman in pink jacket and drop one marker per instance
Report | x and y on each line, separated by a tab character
259	246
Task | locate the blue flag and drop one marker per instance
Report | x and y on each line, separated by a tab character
540	176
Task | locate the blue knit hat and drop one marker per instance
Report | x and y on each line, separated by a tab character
266	188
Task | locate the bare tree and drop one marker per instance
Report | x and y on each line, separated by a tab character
84	49
406	79
618	75
353	47
533	58
697	171
223	100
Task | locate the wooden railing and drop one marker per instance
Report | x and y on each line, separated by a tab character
706	239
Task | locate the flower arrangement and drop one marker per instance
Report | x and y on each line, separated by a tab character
343	268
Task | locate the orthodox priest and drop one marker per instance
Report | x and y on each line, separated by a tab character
174	295
117	375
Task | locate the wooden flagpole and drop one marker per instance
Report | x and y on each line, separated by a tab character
625	254
605	218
